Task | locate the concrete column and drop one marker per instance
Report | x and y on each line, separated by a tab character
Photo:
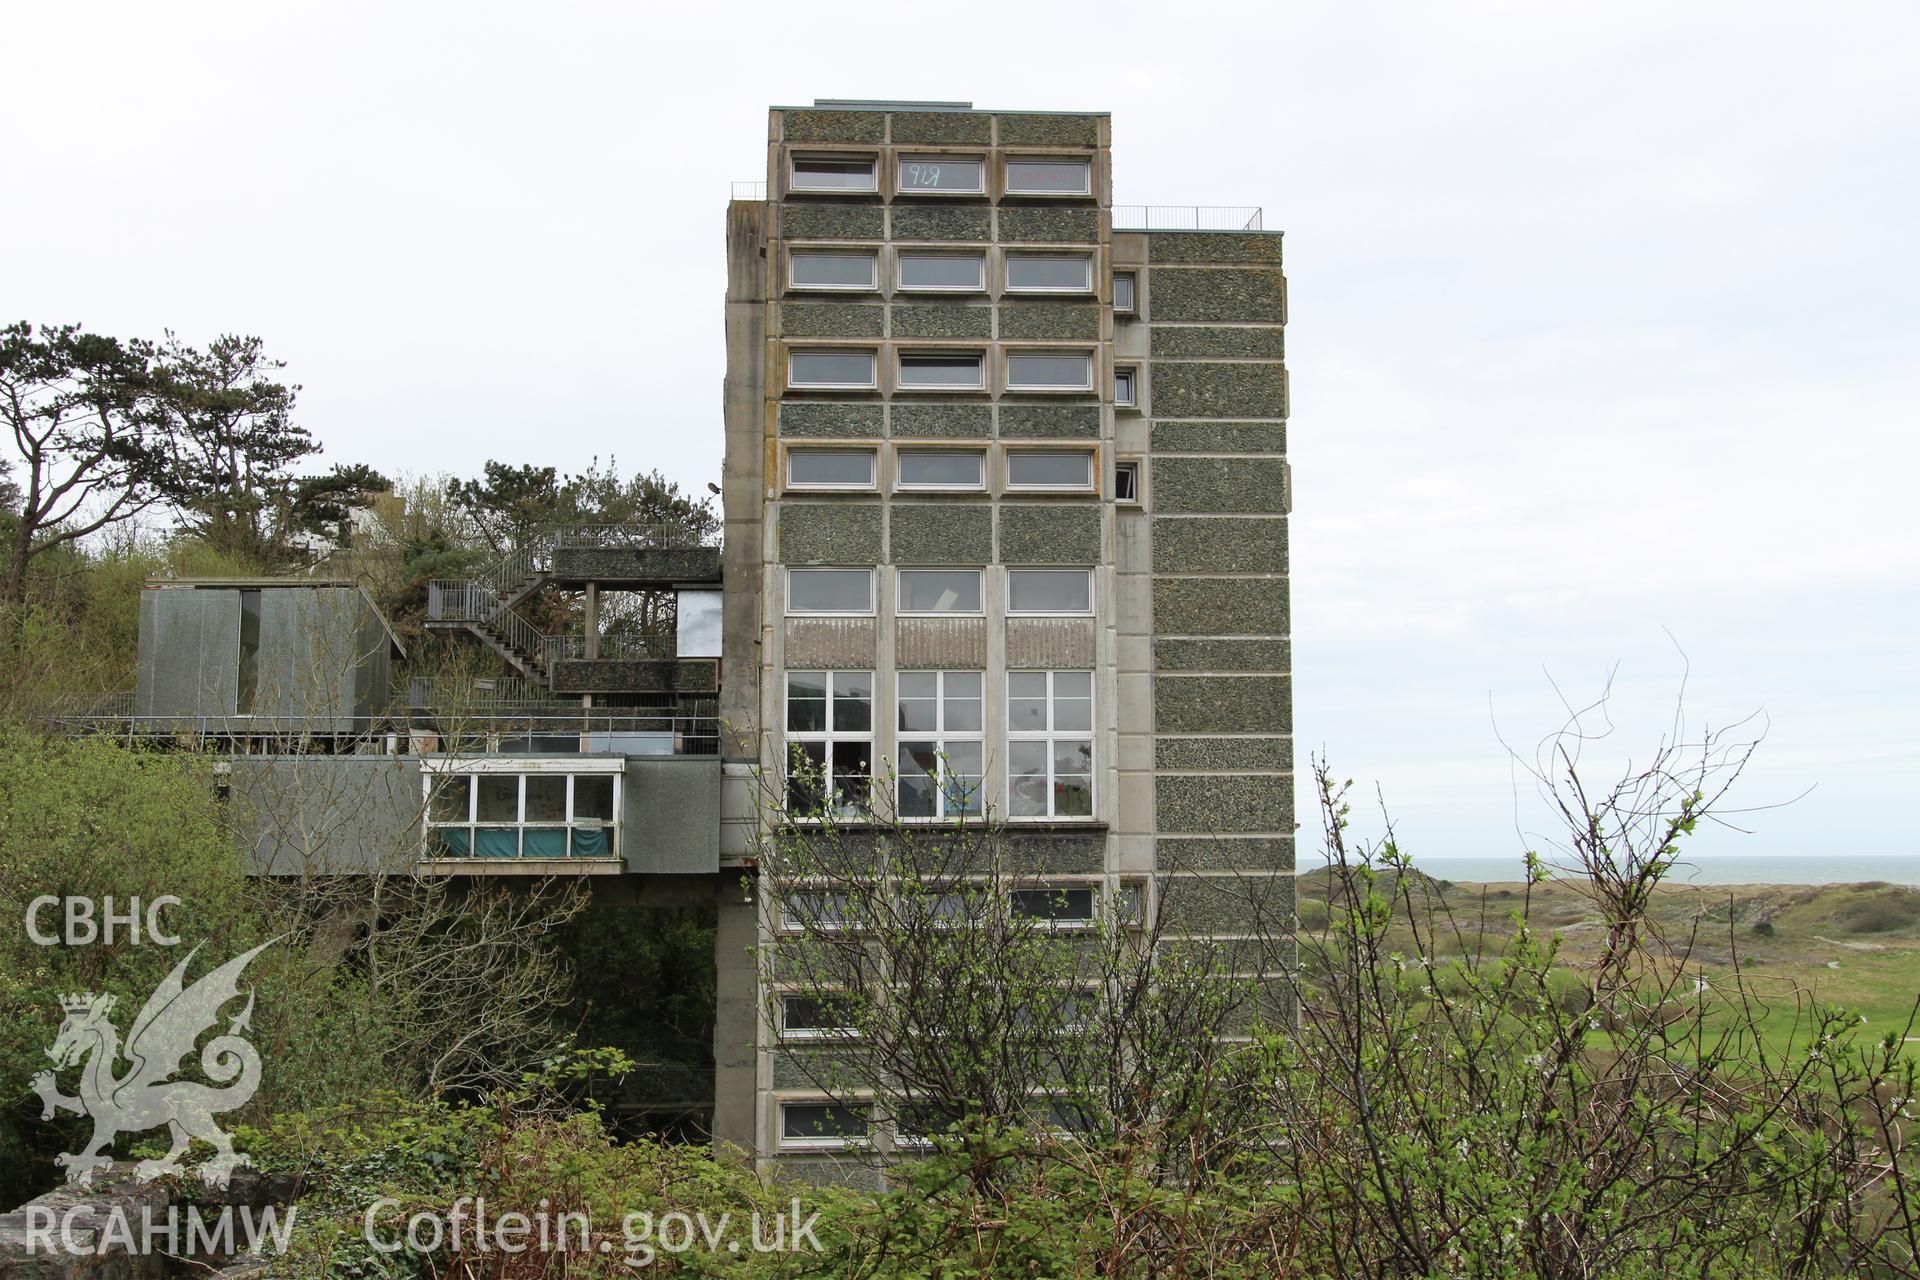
736	1015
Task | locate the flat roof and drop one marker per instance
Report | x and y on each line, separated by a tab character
882	104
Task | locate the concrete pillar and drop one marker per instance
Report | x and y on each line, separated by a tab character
736	1014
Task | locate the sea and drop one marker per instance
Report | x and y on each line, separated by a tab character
1897	868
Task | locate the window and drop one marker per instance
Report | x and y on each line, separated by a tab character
830	468
812	270
830	591
1050	744
1125	285
942	469
1049	177
247	680
943	272
942	755
821	1124
829	742
1039	469
939	591
1125	387
831	370
1049	591
933	173
1126	483
821	908
1049	273
1031	371
834	173
921	372
1058	905
815	1016
489	812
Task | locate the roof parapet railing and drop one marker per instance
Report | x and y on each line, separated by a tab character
1188	217
749	191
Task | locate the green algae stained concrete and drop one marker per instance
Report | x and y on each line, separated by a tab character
933	320
1224	486
1220	606
1222	704
1021	320
1255	903
937	532
1221	544
956	127
808	419
831	320
1219	390
830	533
1248	853
942	223
1049	421
832	126
941	421
1224	755
1049	131
1219	437
832	222
1213	246
1207	295
1218	342
1049	225
1049	533
1175	654
1205	804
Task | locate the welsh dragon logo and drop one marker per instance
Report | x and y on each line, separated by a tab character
146	1096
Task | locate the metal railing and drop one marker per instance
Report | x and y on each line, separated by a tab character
1187	217
749	191
634	537
644	646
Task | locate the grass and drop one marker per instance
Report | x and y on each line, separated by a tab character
1785	948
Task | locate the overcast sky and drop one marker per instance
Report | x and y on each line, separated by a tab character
1603	317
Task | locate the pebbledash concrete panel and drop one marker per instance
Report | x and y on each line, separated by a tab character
1218	437
1219	606
1050	533
932	320
1208	390
845	533
935	532
919	420
1212	246
1220	544
1204	804
832	222
1227	853
1215	342
1223	486
818	421
1212	295
952	127
1049	226
1049	421
832	320
1239	754
1222	704
1208	654
942	223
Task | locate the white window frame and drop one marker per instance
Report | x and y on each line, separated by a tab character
1130	374
790	922
978	258
829	613
901	161
1007	175
1021	387
1132	308
795	159
1028	486
873	369
1132	467
1084	259
790	1032
942	736
862	1107
900	481
1059	922
810	487
900	592
435	773
1048	736
1087	612
902	355
828	737
871	257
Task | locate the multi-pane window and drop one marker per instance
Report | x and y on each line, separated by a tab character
932	173
1050	591
815	1015
829	742
812	269
942	272
1055	905
939	591
815	909
1049	177
834	173
942	371
1037	371
1050	744
831	370
942	755
490	814
821	1124
942	469
1049	469
1125	288
830	468
1049	273
847	591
